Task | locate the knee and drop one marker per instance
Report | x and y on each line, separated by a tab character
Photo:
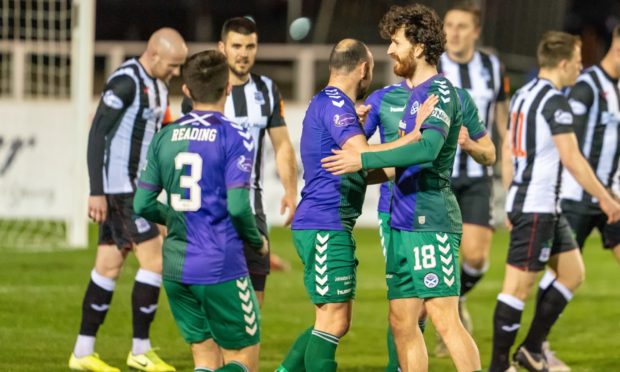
476	261
108	269
340	327
573	280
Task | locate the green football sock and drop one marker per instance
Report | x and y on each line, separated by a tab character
294	360
321	352
233	367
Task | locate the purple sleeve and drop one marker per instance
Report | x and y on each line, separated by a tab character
372	120
341	122
240	149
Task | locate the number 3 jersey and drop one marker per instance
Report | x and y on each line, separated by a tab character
196	160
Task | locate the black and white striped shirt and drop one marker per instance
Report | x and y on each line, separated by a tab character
483	78
538	111
595	101
131	110
257	106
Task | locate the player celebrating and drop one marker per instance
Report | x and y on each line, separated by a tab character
385	109
541	140
132	108
425	219
482	76
204	163
255	104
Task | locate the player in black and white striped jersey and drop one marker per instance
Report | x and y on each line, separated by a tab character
255	103
595	100
482	75
540	142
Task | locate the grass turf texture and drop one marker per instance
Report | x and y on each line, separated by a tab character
41	294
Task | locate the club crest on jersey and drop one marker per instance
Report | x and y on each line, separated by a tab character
112	100
244	164
414	108
344	120
545	253
431	280
259	98
563	117
577	107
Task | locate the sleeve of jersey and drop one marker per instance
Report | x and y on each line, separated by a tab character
186	105
149	186
471	116
118	94
422	153
558	114
580	99
341	121
239	162
439	120
372	119
277	116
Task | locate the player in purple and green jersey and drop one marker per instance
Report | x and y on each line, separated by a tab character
425	216
385	109
203	162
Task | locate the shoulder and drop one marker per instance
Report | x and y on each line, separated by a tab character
263	81
375	97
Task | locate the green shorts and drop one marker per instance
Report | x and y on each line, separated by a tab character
385	231
423	264
329	264
227	312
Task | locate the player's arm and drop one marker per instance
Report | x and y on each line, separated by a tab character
145	201
286	162
560	119
502	104
507	167
473	137
118	94
239	164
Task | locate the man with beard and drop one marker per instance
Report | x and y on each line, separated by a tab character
425	218
322	228
255	104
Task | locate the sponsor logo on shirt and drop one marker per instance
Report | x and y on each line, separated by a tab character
244	164
112	100
194	134
398	109
441	115
259	98
577	107
344	120
563	117
414	108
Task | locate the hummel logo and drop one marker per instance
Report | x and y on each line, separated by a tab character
250	319
245	297
242	284
251	330
149	309
248	145
444	91
100	308
322	291
320	270
338	103
320	248
447	271
449	282
397	109
320	259
247	308
441	239
511	328
444	100
444	249
245	134
446	260
322	239
320	280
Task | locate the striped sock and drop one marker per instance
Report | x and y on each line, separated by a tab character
321	352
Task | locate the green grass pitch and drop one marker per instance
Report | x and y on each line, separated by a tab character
41	294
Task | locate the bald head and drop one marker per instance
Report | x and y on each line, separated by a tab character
347	55
165	53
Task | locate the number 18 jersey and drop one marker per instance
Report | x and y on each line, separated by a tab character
196	160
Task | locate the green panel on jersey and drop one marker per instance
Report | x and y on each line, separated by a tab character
352	193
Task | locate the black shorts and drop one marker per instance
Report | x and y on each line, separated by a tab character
123	227
257	264
582	225
475	198
535	237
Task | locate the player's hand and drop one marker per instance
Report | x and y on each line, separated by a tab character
362	112
464	139
343	161
264	250
97	208
508	223
611	208
288	202
425	110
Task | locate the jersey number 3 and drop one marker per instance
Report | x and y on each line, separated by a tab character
194	161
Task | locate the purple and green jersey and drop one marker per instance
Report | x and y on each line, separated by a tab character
386	109
328	202
423	199
197	160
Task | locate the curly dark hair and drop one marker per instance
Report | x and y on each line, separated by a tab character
422	25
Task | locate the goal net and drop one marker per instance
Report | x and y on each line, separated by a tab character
46	58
